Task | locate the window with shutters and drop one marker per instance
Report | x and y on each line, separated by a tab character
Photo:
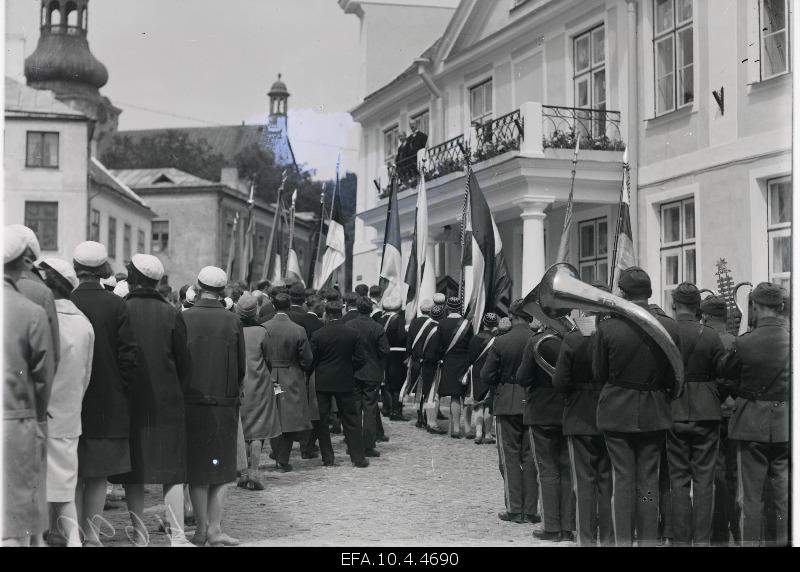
774	37
391	141
140	241
422	121
94	226
481	99
126	243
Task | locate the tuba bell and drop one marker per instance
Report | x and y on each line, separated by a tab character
561	291
741	298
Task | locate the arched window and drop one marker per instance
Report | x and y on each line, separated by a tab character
54	10
72	15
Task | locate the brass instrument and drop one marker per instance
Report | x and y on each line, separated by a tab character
561	290
741	297
537	355
560	324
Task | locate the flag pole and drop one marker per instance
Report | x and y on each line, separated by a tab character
626	181
563	247
315	262
268	255
252	230
461	285
232	247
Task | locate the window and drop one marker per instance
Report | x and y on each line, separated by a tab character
391	141
42	150
160	236
774	41
779	230
94	226
42	218
674	54
126	243
590	74
112	237
140	242
422	121
481	104
678	248
593	249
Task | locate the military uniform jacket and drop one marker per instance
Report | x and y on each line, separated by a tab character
374	345
575	379
105	413
544	404
637	377
702	351
337	355
394	325
500	370
477	361
759	368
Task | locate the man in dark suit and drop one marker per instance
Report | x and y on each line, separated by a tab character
634	411
513	443
759	366
337	355
415	142
368	377
375	294
693	442
351	312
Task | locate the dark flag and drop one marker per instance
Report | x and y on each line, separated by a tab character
391	281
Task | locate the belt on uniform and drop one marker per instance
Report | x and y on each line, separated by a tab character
585	386
397	349
641	386
19	414
698	378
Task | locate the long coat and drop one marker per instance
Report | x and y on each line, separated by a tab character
395	327
337	356
259	410
456	361
106	406
310	323
291	356
34	289
217	349
374	345
158	418
28	377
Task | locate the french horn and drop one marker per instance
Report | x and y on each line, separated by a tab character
741	297
561	290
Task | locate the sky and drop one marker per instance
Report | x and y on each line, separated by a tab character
183	63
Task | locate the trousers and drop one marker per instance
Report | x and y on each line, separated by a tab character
757	462
348	415
283	445
517	465
552	462
692	455
366	400
726	520
635	463
591	481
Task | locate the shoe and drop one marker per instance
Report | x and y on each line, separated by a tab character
479	440
382	439
55	538
331	464
489	441
311	455
242	482
456	436
533	518
189	520
385	411
315	449
254	484
436	431
469	436
511	517
545	535
567	536
222	539
284	467
372	453
361	464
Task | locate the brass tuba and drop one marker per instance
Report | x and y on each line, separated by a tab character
741	297
561	290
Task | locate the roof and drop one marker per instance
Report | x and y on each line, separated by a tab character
408	72
22	100
154	178
226	140
99	174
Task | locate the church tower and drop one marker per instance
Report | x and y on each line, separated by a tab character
63	63
276	133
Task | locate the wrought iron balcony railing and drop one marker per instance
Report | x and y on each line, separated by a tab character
498	136
597	128
445	158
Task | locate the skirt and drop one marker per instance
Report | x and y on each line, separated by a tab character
103	457
62	468
158	456
211	444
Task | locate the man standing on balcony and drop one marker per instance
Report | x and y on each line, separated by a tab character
415	142
401	158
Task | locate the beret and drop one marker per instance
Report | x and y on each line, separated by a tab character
635	282
14	245
517	308
426	306
30	239
247	305
437	312
490	319
439	299
90	254
714	306
122	289
63	268
333	307
212	277
148	265
392	304
454	304
768	294
364	305
504	324
686	293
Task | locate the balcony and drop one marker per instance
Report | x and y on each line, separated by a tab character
548	127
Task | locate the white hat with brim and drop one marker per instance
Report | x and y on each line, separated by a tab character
30	239
13	245
148	265
212	277
62	268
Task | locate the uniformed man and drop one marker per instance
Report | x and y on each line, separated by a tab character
725	522
418	332
513	441
634	412
694	439
394	324
543	415
430	365
759	366
591	466
478	349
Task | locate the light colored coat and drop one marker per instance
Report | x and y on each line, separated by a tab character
74	371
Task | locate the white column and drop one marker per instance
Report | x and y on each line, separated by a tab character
533	255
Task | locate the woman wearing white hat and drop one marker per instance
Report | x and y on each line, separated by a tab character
158	420
64	408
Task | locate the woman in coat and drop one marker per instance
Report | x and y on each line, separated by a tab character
217	350
259	414
158	421
64	409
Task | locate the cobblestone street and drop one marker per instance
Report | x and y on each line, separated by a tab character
424	490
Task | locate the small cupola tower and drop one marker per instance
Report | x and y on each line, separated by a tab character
278	98
276	132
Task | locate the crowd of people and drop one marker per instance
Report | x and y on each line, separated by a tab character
110	382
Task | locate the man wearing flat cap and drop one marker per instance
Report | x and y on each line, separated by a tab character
634	411
394	324
418	332
513	440
693	441
759	367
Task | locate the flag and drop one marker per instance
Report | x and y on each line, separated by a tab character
248	254
563	247
624	256
420	272
488	278
293	272
392	262
232	247
334	255
277	273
